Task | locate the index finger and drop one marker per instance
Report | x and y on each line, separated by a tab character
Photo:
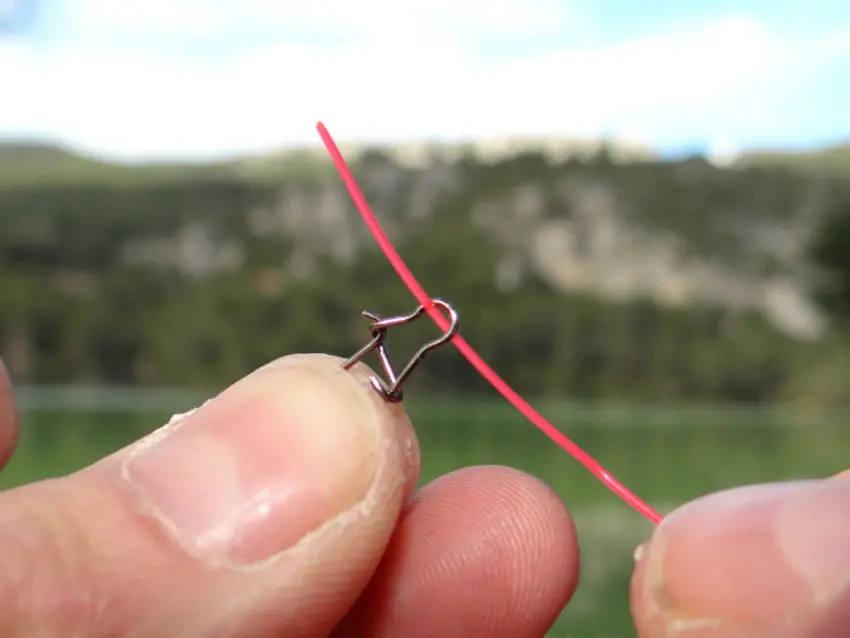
9	422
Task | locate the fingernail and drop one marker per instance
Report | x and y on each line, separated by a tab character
751	557
251	472
6	390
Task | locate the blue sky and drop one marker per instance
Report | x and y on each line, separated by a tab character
187	79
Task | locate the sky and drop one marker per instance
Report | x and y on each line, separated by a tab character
205	79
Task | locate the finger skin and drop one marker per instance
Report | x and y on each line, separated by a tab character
765	561
481	552
9	419
80	558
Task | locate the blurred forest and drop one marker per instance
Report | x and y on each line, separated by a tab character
582	278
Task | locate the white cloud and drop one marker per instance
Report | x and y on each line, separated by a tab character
186	16
397	70
362	20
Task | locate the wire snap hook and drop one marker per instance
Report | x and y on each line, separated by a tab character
392	391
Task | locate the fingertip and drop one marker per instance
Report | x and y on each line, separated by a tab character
9	418
757	561
400	431
493	549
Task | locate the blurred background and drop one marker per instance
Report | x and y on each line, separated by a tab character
641	212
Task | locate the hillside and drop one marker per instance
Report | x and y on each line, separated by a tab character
25	163
614	273
833	160
28	164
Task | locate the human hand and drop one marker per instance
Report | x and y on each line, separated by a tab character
283	507
286	507
762	561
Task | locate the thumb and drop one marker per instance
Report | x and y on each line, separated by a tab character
8	417
263	513
761	561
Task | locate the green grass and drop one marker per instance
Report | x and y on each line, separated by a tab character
667	456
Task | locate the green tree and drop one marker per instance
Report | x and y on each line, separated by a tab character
830	252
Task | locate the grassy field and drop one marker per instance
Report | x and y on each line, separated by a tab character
666	455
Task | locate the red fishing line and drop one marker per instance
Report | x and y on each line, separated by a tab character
460	343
